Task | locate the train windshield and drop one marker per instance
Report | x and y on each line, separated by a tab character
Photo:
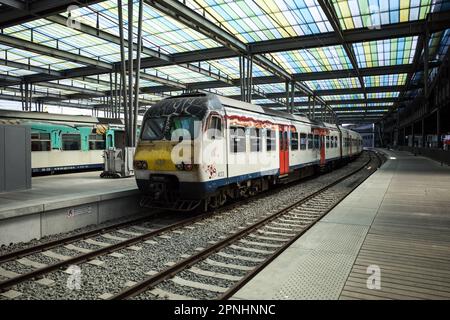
171	128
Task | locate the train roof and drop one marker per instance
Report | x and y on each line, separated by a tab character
45	116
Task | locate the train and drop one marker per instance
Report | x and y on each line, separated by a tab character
67	143
201	150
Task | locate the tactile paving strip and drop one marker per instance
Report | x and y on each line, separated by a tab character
315	267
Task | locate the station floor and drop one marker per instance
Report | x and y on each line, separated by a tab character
389	239
62	190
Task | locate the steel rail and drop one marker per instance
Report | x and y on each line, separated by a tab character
79	236
227	294
169	272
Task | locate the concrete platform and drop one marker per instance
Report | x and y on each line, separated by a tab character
389	239
62	203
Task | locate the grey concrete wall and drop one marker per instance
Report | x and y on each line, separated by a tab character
53	221
15	158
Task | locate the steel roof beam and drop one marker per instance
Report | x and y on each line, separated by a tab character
14	4
29	67
181	12
334	21
52	52
37	9
157	55
438	21
338	102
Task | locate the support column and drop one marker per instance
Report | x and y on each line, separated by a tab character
438	128
309	106
314	108
292	95
138	72
286	86
249	77
412	134
123	81
425	65
243	77
130	75
423	144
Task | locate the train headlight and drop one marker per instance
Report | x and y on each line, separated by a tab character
140	164
184	167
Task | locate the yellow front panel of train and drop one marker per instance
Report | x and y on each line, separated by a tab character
157	154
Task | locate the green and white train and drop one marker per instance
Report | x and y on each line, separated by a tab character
67	143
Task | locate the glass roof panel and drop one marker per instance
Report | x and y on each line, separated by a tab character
343	97
54	35
380	104
385	52
355	111
349	105
178	73
14	71
258	20
385	80
262	101
159	31
226	91
24	56
271	87
381	95
313	60
230	67
368	13
439	44
329	84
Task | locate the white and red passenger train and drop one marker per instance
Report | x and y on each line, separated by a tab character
205	149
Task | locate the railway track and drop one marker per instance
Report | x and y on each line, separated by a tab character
271	233
266	238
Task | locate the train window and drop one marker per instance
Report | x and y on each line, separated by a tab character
96	142
327	143
40	142
237	139
270	140
302	141
310	141
294	140
153	129
71	141
185	127
215	128
335	142
255	139
316	141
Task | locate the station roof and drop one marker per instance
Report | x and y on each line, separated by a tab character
362	58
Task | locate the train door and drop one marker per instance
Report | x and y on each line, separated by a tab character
322	149
284	150
350	141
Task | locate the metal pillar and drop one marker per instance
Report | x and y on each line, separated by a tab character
438	128
292	96
423	144
115	112
242	75
412	134
130	75
138	73
123	72
287	95
425	65
249	78
314	107
309	106
22	96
